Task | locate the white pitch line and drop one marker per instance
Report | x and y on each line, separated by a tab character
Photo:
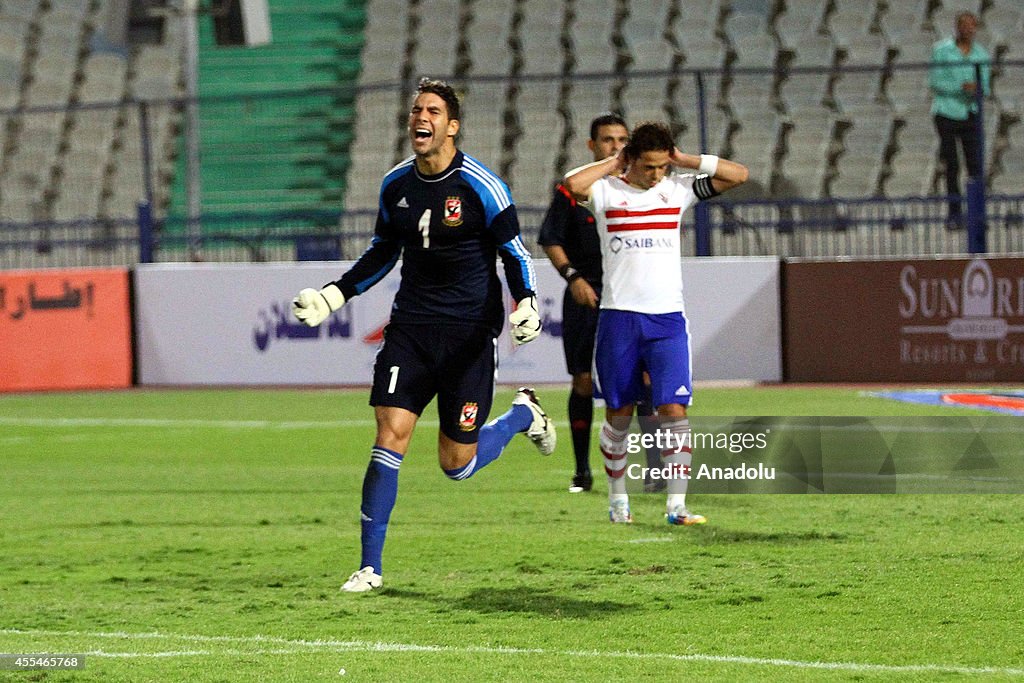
302	646
173	423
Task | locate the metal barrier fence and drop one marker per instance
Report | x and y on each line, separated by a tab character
787	228
92	184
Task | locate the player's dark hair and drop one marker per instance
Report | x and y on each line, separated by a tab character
442	90
649	136
606	119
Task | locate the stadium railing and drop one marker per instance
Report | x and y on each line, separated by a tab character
135	220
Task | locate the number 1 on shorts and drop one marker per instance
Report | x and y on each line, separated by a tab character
394	379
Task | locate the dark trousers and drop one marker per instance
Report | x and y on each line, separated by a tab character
950	131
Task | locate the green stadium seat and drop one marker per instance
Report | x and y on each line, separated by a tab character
276	120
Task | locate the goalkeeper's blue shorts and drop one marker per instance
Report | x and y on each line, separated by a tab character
628	343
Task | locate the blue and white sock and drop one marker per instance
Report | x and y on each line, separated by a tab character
380	488
494	436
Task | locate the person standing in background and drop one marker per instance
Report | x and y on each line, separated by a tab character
952	79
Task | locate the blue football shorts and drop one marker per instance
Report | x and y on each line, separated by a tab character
628	343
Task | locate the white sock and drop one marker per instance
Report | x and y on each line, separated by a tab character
613	448
677	459
675	500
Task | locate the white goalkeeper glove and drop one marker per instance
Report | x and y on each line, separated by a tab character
313	307
525	321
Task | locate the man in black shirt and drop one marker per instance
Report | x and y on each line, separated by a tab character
569	238
450	218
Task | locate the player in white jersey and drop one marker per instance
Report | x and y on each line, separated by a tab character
642	326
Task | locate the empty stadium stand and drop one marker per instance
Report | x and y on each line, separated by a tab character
823	100
275	120
843	113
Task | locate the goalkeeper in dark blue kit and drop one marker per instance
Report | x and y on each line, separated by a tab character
449	218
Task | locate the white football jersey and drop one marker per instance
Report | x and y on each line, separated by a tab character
640	242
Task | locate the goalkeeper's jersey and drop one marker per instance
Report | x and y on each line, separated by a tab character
449	230
639	232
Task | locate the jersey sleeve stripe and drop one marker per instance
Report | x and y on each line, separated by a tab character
516	247
494	183
379	275
404	164
497	193
493	180
396	172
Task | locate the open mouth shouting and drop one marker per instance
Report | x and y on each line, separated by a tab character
421	135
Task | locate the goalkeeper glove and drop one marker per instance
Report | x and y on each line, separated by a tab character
525	321
313	307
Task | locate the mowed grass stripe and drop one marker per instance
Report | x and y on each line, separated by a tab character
299	646
172	423
177	423
243	531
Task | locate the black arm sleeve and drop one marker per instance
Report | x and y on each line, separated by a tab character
553	229
376	262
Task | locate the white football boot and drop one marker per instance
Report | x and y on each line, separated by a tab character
542	430
363	581
618	512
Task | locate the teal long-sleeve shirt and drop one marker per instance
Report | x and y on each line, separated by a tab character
950	69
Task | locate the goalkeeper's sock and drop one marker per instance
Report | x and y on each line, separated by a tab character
380	488
494	436
613	448
581	420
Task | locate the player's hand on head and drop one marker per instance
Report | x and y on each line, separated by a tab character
623	158
525	321
313	307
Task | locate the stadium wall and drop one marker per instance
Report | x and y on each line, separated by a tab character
898	320
65	329
230	324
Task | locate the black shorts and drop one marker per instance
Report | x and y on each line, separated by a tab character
456	363
579	325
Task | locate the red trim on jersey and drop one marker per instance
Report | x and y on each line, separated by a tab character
572	200
619	226
628	213
623	227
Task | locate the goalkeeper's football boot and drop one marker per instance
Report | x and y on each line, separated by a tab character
618	512
363	581
542	430
681	516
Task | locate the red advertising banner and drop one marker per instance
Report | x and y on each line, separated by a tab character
937	320
65	329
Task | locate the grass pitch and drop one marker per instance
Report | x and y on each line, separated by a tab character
203	535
